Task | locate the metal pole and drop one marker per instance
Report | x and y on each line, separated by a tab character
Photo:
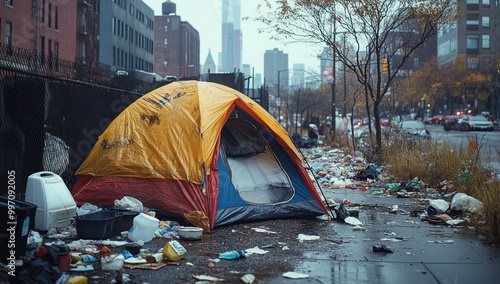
345	84
279	99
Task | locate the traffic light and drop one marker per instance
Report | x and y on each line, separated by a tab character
385	66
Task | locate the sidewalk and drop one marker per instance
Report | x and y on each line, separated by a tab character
422	252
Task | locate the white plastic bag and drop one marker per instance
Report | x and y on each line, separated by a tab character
440	205
129	203
463	202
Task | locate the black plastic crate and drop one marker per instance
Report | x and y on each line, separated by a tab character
23	221
127	217
100	225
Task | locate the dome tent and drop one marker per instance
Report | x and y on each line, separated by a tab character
203	150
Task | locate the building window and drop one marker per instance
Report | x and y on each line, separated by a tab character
9	3
84	52
131	33
56	18
486	2
485	41
50	15
132	9
126	31
113	25
84	24
472	42
165	42
166	28
472	1
472	22
42	50
8	35
114	55
165	63
42	11
485	21
56	49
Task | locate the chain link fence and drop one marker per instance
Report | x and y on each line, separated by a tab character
52	112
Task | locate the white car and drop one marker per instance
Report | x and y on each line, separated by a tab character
475	122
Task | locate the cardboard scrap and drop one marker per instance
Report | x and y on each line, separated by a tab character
149	266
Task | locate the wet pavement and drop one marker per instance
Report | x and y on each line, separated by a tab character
422	252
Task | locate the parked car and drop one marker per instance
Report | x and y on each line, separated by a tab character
414	129
450	122
474	122
436	119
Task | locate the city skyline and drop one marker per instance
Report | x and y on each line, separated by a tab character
207	19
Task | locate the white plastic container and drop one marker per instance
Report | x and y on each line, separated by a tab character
55	204
144	228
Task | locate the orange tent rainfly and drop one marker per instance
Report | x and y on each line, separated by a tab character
202	150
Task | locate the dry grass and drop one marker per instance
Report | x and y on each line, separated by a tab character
434	162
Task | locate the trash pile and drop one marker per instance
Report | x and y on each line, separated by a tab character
333	169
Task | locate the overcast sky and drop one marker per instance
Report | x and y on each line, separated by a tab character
205	16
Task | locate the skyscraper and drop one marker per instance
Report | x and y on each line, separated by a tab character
231	55
276	78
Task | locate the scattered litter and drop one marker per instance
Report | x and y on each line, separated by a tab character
382	248
441	242
208	278
353	221
463	202
255	250
112	262
439	205
259	230
154	258
394	240
113	243
394	209
148	266
135	260
248	278
129	203
295	275
233	254
454	222
80	268
303	238
189	264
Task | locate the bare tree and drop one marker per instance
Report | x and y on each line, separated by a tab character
376	29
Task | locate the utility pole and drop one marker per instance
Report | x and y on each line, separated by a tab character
333	83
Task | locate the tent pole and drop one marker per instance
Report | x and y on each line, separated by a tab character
204	184
316	180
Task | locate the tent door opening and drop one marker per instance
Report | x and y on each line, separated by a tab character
254	170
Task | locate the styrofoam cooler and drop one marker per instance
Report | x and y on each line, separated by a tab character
55	204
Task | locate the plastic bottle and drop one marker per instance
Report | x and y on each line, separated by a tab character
233	254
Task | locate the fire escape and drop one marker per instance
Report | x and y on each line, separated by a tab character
85	30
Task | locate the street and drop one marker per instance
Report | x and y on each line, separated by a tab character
489	142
